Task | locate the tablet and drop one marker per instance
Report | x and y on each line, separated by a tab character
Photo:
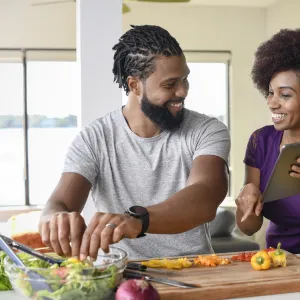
281	184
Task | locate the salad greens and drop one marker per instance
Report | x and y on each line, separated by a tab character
74	279
5	284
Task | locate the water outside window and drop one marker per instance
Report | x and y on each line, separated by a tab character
53	105
12	190
53	108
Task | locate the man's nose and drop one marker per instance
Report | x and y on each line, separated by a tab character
181	91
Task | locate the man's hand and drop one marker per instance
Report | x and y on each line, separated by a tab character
105	229
249	201
64	228
296	169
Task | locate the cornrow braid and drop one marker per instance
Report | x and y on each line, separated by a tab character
136	51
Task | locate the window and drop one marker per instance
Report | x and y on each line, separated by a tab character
208	90
12	189
50	100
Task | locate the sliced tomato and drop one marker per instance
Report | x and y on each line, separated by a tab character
62	272
270	249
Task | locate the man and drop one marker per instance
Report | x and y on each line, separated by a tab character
162	164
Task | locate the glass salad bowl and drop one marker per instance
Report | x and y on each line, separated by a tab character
73	280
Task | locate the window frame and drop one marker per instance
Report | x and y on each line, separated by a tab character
39	54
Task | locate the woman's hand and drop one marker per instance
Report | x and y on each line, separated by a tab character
249	201
296	169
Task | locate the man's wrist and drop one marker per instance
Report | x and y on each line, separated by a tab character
141	213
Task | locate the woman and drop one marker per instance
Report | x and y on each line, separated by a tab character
276	73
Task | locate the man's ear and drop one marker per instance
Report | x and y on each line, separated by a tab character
134	85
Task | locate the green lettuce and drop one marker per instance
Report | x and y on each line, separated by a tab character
5	284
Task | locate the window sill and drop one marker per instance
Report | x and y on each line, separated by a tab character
8	211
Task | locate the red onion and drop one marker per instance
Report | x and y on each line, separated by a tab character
136	289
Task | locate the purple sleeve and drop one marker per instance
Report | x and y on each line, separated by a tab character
253	151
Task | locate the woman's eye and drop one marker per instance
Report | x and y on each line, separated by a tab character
285	96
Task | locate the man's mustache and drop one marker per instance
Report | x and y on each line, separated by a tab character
176	100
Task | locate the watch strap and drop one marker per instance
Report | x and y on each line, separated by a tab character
144	219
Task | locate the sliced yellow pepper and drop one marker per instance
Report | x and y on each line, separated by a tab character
153	263
179	263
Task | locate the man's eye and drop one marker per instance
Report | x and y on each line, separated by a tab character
169	86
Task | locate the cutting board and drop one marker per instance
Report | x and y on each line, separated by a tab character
235	280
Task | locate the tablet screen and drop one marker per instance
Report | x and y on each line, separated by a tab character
281	184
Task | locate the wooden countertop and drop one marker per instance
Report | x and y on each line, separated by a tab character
236	280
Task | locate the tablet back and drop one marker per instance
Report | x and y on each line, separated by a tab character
281	184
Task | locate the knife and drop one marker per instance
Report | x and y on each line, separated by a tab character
143	268
136	275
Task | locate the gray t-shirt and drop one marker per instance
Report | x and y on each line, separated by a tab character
125	169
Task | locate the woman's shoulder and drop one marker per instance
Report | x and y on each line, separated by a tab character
265	131
265	135
261	142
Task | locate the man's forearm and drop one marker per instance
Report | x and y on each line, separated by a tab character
186	209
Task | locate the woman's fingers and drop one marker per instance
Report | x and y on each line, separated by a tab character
259	205
247	213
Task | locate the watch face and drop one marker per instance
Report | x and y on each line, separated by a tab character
140	210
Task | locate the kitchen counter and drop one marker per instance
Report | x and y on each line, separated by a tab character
11	295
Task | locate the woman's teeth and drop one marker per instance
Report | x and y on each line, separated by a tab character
278	116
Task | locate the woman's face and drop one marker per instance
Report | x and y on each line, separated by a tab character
284	100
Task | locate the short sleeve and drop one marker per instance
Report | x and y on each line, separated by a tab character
81	158
211	138
253	150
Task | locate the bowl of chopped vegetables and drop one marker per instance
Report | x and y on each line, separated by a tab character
73	279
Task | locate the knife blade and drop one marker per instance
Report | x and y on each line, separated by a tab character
136	275
142	268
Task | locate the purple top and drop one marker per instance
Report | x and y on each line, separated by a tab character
284	214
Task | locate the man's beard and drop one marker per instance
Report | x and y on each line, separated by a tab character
161	115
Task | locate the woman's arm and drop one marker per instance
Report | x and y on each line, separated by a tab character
249	203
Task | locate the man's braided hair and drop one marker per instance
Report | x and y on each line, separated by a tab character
136	51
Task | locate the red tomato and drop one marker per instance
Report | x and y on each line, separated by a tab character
61	272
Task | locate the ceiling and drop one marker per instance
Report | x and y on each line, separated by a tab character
246	3
243	3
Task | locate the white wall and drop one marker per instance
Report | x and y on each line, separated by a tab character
48	26
283	14
239	30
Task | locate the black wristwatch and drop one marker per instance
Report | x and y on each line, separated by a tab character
141	213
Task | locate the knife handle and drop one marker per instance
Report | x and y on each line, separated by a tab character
135	266
133	275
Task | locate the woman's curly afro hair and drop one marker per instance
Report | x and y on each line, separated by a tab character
280	53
